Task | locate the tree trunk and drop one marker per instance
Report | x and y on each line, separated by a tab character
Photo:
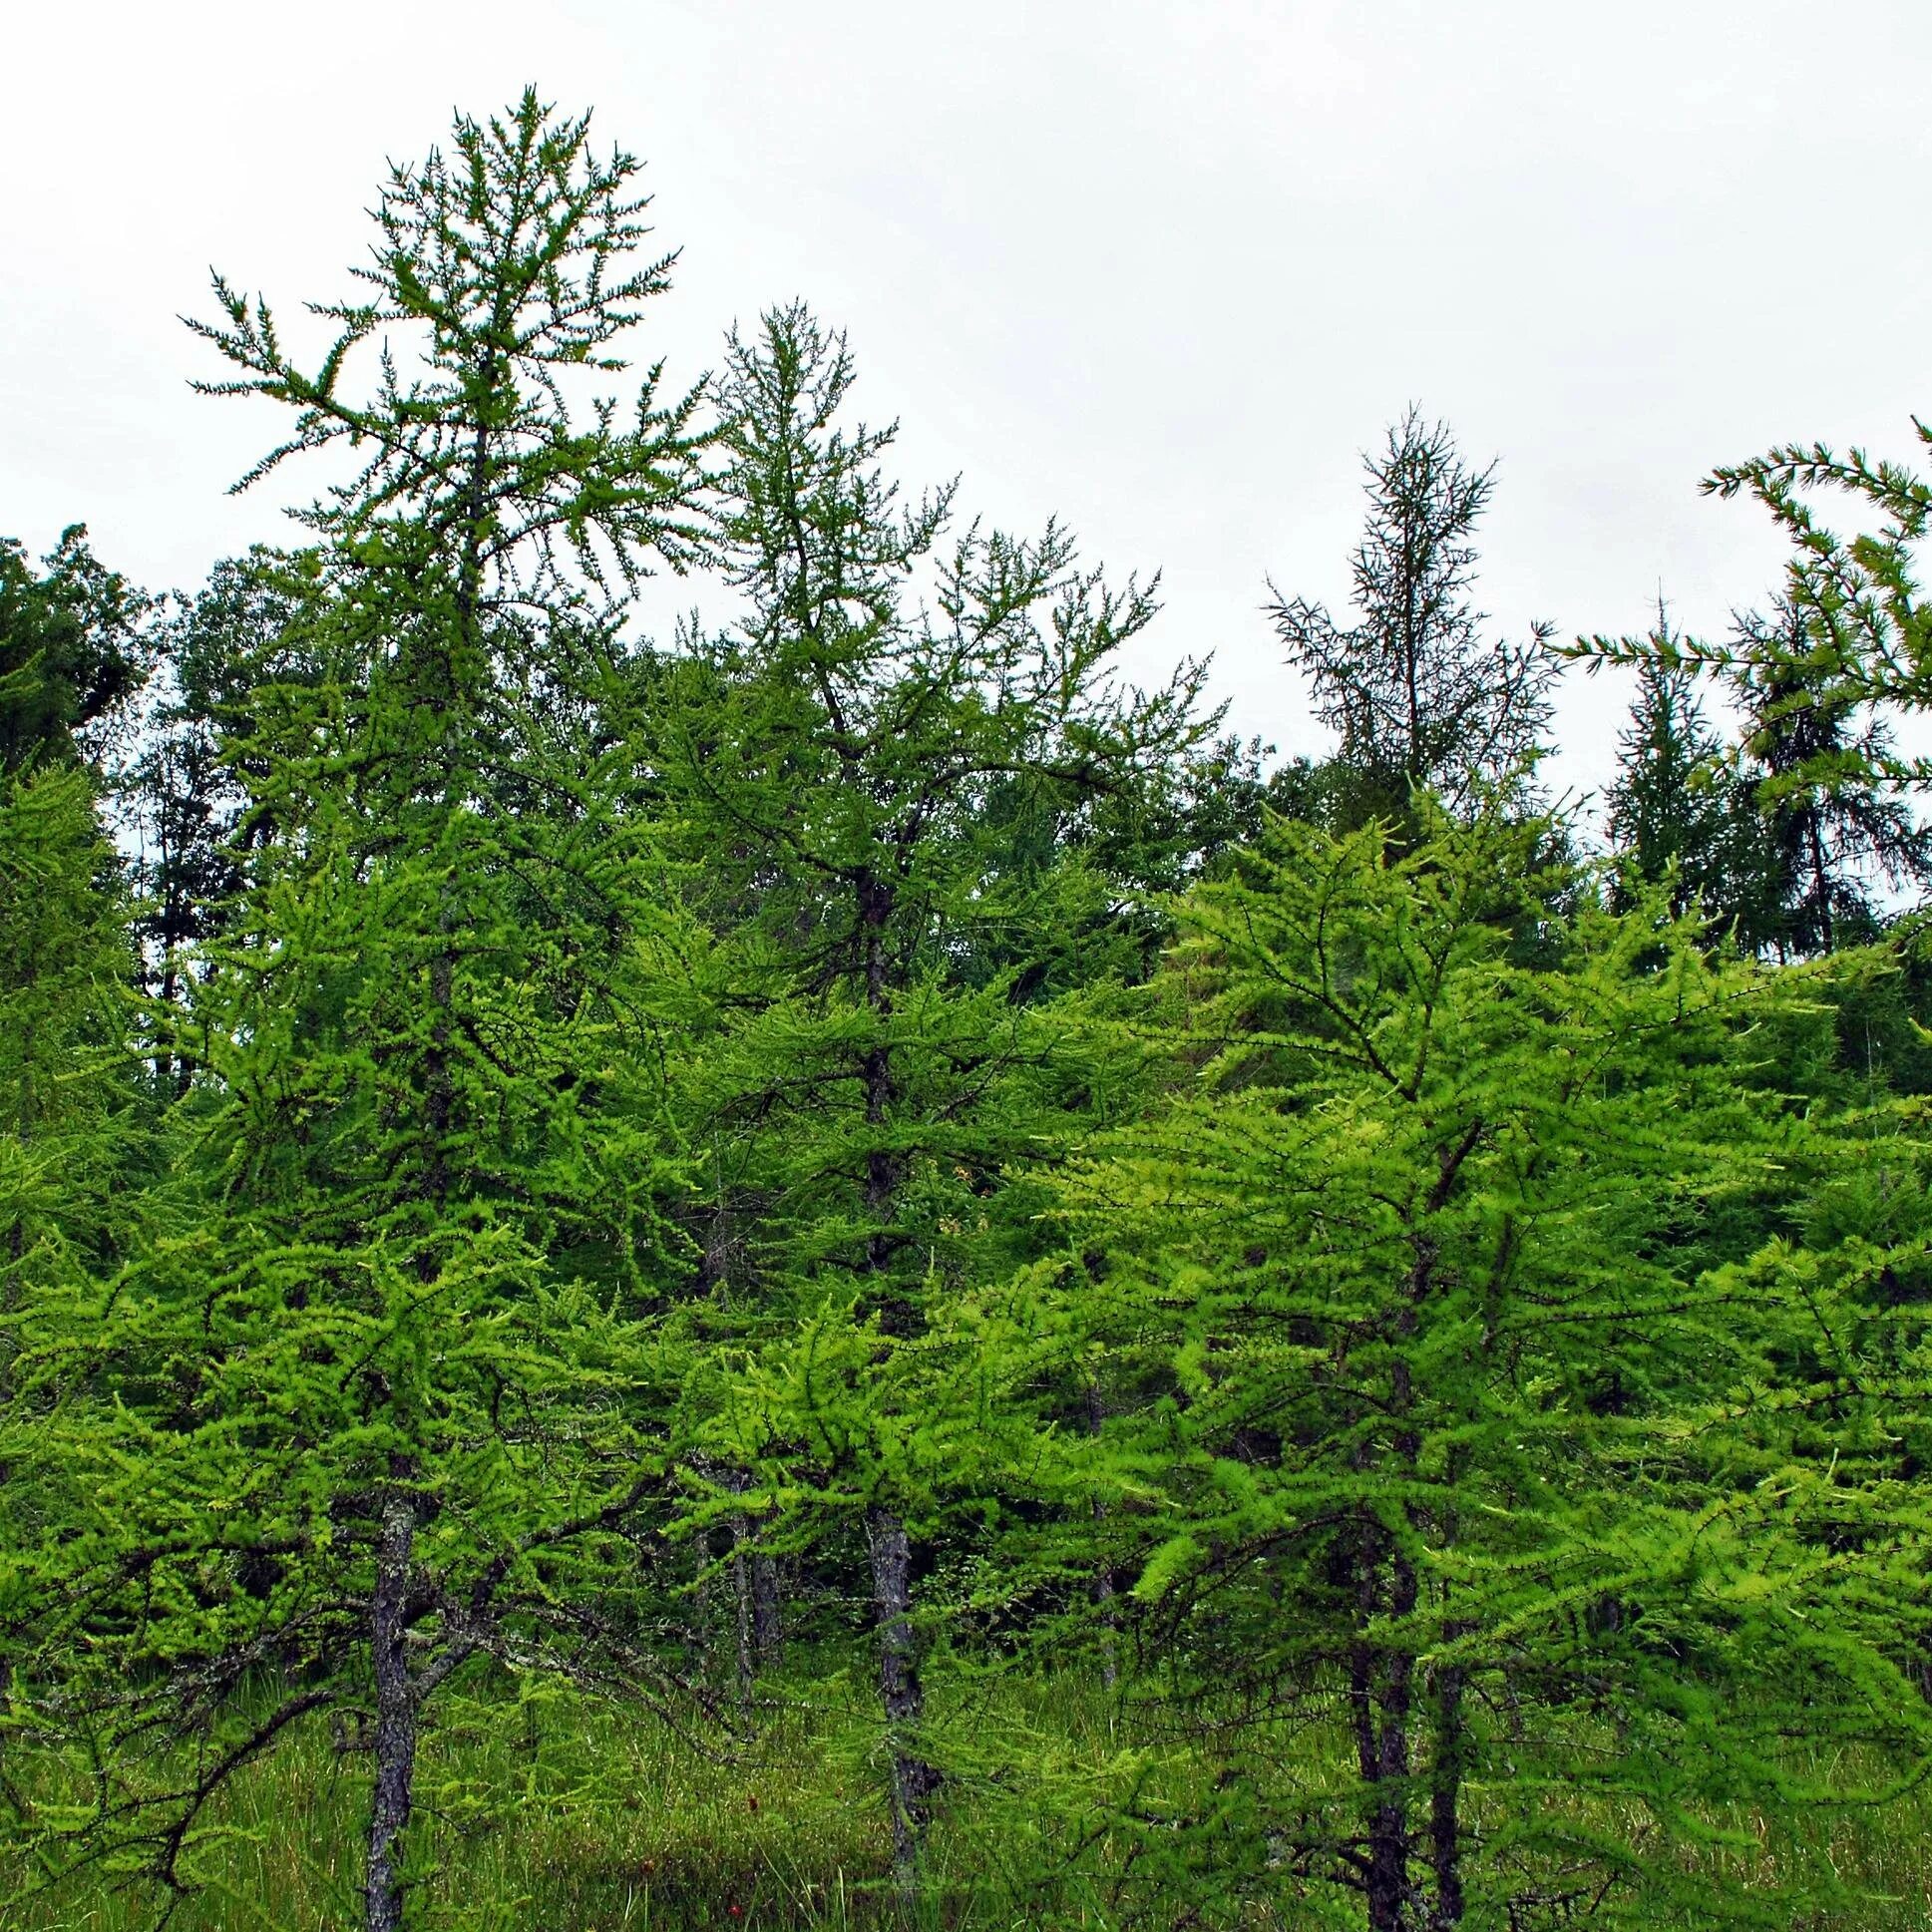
754	1576
1445	1783
1388	1846
741	1604
1102	1586
395	1741
697	1626
1378	1698
1382	1752
767	1626
912	1780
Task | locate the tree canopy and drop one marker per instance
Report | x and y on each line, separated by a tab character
848	1225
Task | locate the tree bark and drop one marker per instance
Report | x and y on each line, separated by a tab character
767	1624
1102	1586
1389	1837
912	1780
741	1604
1445	1790
395	1739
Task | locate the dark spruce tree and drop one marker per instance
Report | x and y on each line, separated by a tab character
1800	832
1833	833
73	650
1677	813
180	795
1824	681
1416	695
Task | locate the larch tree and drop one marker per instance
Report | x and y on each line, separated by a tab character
896	799
377	1399
1477	1493
74	1136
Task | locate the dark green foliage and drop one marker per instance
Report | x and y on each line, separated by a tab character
1833	838
1822	683
1676	815
71	648
1417	696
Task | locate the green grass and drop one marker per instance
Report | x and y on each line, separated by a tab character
546	1812
542	1812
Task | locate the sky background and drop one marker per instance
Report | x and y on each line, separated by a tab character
1164	269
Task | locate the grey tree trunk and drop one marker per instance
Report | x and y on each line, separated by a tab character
767	1627
754	1576
395	1738
912	1780
742	1605
1102	1586
1445	1828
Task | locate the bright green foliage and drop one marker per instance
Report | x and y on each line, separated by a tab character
72	1133
1447	1440
1325	1368
1851	628
902	814
1858	629
73	1138
379	1392
64	968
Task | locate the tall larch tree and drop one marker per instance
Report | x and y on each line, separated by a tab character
894	797
381	1387
1465	1358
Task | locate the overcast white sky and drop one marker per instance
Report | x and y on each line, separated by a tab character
1164	269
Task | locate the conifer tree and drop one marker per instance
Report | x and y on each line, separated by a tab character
1463	1380
1843	659
894	802
1831	832
1819	829
1674	810
1414	693
179	800
72	1135
380	1390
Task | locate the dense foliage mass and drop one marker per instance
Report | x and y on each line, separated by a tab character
854	1199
